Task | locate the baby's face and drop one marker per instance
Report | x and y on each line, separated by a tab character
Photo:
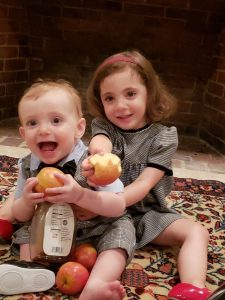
50	125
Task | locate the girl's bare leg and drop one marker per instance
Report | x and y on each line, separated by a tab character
103	283
192	258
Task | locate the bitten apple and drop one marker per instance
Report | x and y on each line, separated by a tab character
107	168
71	278
86	255
47	179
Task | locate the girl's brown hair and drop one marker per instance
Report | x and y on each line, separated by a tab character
160	103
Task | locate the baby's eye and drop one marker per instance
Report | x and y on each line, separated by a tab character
31	123
56	120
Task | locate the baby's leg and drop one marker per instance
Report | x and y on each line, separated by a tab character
103	283
6	209
25	252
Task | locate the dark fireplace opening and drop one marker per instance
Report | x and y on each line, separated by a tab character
185	41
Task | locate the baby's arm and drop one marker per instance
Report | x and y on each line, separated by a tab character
23	208
137	190
100	144
105	203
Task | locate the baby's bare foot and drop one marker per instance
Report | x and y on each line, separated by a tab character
104	291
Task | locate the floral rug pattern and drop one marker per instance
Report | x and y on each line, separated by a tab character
152	272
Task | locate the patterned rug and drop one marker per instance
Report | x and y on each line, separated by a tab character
153	272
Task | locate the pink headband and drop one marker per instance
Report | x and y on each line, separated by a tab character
118	58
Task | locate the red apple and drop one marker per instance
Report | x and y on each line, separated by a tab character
71	278
6	231
86	255
47	179
107	168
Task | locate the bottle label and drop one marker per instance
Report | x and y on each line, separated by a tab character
58	230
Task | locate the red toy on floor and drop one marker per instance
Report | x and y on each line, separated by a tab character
186	291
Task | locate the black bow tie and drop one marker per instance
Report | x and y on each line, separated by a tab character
68	168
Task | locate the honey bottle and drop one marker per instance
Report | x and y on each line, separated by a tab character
53	233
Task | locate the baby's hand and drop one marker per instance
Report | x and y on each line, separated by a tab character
69	192
29	196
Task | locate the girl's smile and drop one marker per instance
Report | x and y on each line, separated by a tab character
124	98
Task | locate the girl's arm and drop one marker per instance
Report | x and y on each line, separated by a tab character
100	144
137	190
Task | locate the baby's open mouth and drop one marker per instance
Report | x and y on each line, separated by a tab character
47	146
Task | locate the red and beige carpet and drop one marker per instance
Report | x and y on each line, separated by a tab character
152	272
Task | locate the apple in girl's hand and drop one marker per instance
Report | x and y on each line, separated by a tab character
47	179
85	254
107	168
71	278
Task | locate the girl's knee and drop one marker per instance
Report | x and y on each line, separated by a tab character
205	233
200	231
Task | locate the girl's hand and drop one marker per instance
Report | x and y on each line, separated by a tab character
86	168
70	192
100	144
87	171
29	197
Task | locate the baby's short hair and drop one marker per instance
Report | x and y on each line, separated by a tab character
41	86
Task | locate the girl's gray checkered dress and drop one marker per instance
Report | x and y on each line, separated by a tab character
151	146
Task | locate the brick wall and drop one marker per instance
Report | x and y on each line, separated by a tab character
68	38
14	55
213	118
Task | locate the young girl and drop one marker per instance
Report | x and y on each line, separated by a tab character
129	101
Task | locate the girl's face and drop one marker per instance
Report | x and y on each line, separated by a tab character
124	98
50	125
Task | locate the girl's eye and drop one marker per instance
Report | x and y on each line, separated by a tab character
31	123
131	94
108	99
